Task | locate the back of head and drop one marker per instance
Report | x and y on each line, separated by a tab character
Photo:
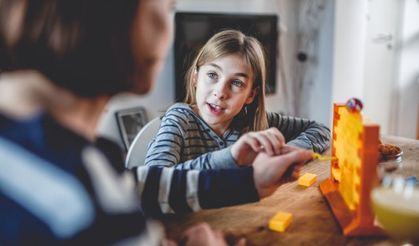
80	45
249	48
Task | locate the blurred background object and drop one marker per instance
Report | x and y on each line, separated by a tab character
396	206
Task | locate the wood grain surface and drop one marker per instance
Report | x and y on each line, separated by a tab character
313	222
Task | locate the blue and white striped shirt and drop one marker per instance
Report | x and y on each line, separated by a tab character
185	140
56	187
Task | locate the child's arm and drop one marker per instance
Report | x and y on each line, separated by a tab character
301	132
169	190
167	147
166	150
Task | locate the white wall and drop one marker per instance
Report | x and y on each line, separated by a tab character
381	65
162	95
408	79
349	46
394	104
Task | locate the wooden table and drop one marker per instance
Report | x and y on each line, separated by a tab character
313	222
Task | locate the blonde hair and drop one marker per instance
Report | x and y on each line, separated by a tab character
253	116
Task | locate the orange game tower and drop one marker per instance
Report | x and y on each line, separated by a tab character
353	171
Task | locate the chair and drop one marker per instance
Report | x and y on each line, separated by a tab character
138	149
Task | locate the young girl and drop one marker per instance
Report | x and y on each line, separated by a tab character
224	112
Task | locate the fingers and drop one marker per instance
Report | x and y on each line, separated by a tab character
263	142
203	234
167	242
292	173
241	242
295	161
271	171
289	148
297	170
200	228
276	139
251	140
270	140
296	155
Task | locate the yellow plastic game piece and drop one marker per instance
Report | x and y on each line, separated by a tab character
280	221
324	157
307	179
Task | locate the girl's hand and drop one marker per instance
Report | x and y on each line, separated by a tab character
245	150
269	172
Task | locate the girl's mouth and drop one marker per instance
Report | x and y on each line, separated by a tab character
215	109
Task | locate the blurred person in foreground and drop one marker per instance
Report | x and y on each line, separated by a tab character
60	62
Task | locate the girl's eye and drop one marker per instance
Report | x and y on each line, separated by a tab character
212	75
238	83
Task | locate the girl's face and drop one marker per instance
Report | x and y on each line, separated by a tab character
151	35
223	87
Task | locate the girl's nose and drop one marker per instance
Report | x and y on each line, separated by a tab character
220	90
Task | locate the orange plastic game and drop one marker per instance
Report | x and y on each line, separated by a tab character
353	171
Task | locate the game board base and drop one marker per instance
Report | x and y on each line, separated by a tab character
347	220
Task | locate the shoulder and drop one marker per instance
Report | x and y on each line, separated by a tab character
42	135
273	117
71	171
272	114
179	113
180	108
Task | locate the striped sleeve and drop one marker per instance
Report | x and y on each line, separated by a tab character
219	159
167	147
166	190
301	132
63	210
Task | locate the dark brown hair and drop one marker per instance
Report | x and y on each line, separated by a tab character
80	45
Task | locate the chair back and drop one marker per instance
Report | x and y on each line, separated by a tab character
138	149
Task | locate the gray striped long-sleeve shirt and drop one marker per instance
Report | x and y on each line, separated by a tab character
185	141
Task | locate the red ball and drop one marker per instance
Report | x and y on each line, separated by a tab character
354	105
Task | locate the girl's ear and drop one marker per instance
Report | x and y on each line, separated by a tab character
251	96
195	77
